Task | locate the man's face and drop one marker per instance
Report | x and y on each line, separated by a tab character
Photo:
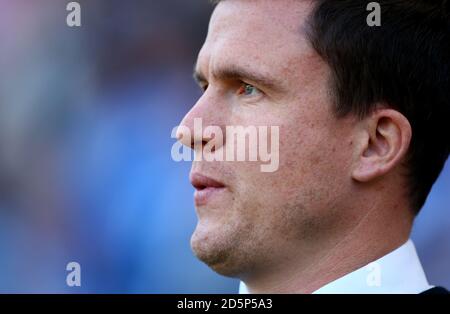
261	220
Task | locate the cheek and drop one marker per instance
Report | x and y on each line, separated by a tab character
316	164
310	160
310	167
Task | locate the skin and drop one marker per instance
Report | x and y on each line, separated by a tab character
338	200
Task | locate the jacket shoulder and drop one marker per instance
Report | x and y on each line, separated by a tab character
436	290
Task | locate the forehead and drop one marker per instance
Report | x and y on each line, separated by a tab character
264	32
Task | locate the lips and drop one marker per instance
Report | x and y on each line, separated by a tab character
206	188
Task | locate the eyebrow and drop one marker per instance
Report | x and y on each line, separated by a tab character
238	73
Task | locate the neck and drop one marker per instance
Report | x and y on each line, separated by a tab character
379	231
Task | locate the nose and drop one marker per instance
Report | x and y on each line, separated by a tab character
203	116
190	132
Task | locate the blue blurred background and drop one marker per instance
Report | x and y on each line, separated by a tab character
86	174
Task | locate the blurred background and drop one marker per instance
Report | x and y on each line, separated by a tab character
86	174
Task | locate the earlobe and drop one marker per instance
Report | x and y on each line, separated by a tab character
384	139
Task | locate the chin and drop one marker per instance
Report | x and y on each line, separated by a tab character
213	247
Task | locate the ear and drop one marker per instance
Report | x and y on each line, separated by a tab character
382	141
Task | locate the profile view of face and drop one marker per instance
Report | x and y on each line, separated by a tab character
257	68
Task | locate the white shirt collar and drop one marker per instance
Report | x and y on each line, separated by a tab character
397	272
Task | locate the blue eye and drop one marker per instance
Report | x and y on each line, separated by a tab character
248	90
